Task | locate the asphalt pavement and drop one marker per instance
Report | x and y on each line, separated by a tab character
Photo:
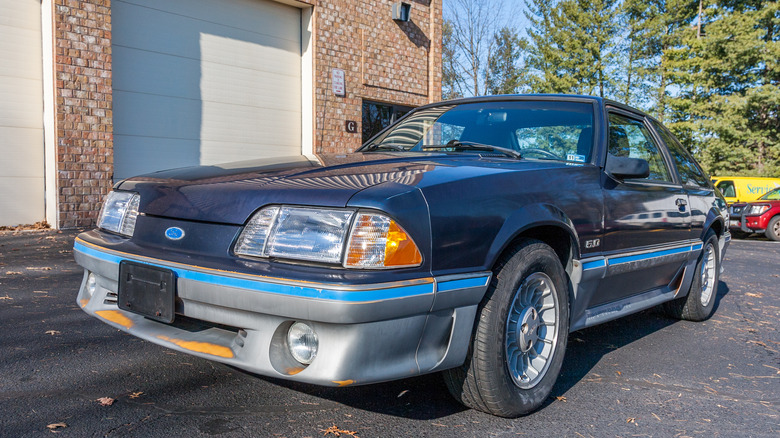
64	372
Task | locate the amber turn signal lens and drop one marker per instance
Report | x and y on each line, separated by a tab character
400	250
377	241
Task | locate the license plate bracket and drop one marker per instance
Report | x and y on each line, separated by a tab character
147	290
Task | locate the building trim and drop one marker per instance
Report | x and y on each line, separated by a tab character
51	193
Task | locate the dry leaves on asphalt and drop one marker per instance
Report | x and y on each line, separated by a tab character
136	394
105	401
53	332
54	426
561	398
338	432
13	273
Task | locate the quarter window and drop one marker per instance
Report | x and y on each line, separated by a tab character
690	172
631	138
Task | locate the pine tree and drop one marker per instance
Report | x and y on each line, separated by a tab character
729	77
504	75
573	46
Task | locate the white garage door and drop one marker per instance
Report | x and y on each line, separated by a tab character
204	82
21	113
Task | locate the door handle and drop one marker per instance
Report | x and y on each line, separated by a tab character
681	203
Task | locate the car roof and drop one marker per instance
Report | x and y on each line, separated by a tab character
545	97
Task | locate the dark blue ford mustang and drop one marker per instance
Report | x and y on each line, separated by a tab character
470	237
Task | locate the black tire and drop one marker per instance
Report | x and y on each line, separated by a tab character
531	272
773	229
699	304
739	234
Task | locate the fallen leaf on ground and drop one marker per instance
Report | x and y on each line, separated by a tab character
402	393
561	398
136	394
13	273
38	268
105	401
6	298
631	420
53	332
338	432
55	426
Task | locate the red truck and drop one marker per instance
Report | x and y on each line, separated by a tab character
759	216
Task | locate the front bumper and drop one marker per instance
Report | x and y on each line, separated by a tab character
367	332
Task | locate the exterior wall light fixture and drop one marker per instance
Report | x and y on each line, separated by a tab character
401	11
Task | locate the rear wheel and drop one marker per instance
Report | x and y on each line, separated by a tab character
773	229
700	301
520	336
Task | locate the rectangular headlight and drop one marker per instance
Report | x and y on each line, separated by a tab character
757	210
119	213
296	233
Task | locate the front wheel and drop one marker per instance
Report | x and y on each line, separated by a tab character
520	336
700	301
773	228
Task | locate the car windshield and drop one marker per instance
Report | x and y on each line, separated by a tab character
546	130
772	195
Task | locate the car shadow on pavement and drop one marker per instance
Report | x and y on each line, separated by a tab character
588	346
427	398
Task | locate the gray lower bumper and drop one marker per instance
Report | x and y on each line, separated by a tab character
367	333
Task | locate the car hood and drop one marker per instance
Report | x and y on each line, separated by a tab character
230	193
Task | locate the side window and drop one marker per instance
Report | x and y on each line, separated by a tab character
727	188
690	172
631	138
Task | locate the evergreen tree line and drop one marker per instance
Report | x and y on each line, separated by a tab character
708	69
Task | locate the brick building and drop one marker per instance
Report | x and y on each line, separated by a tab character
93	91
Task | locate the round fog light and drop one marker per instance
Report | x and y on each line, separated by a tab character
91	284
302	342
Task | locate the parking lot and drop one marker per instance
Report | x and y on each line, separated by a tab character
64	372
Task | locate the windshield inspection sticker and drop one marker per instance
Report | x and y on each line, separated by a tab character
575	157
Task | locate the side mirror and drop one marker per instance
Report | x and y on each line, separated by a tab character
622	168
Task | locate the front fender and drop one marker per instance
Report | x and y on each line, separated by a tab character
524	221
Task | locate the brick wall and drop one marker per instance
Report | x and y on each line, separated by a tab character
83	108
384	61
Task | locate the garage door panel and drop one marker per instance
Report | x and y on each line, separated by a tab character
162	74
217	152
21	14
179	35
156	73
22	152
21	113
247	15
275	127
157	154
223	84
21	208
254	55
199	81
156	116
14	60
22	103
14	209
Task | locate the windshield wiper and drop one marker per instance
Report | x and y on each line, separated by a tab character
457	144
391	146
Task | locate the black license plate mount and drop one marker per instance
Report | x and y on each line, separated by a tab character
147	290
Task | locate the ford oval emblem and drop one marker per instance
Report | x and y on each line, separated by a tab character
174	233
